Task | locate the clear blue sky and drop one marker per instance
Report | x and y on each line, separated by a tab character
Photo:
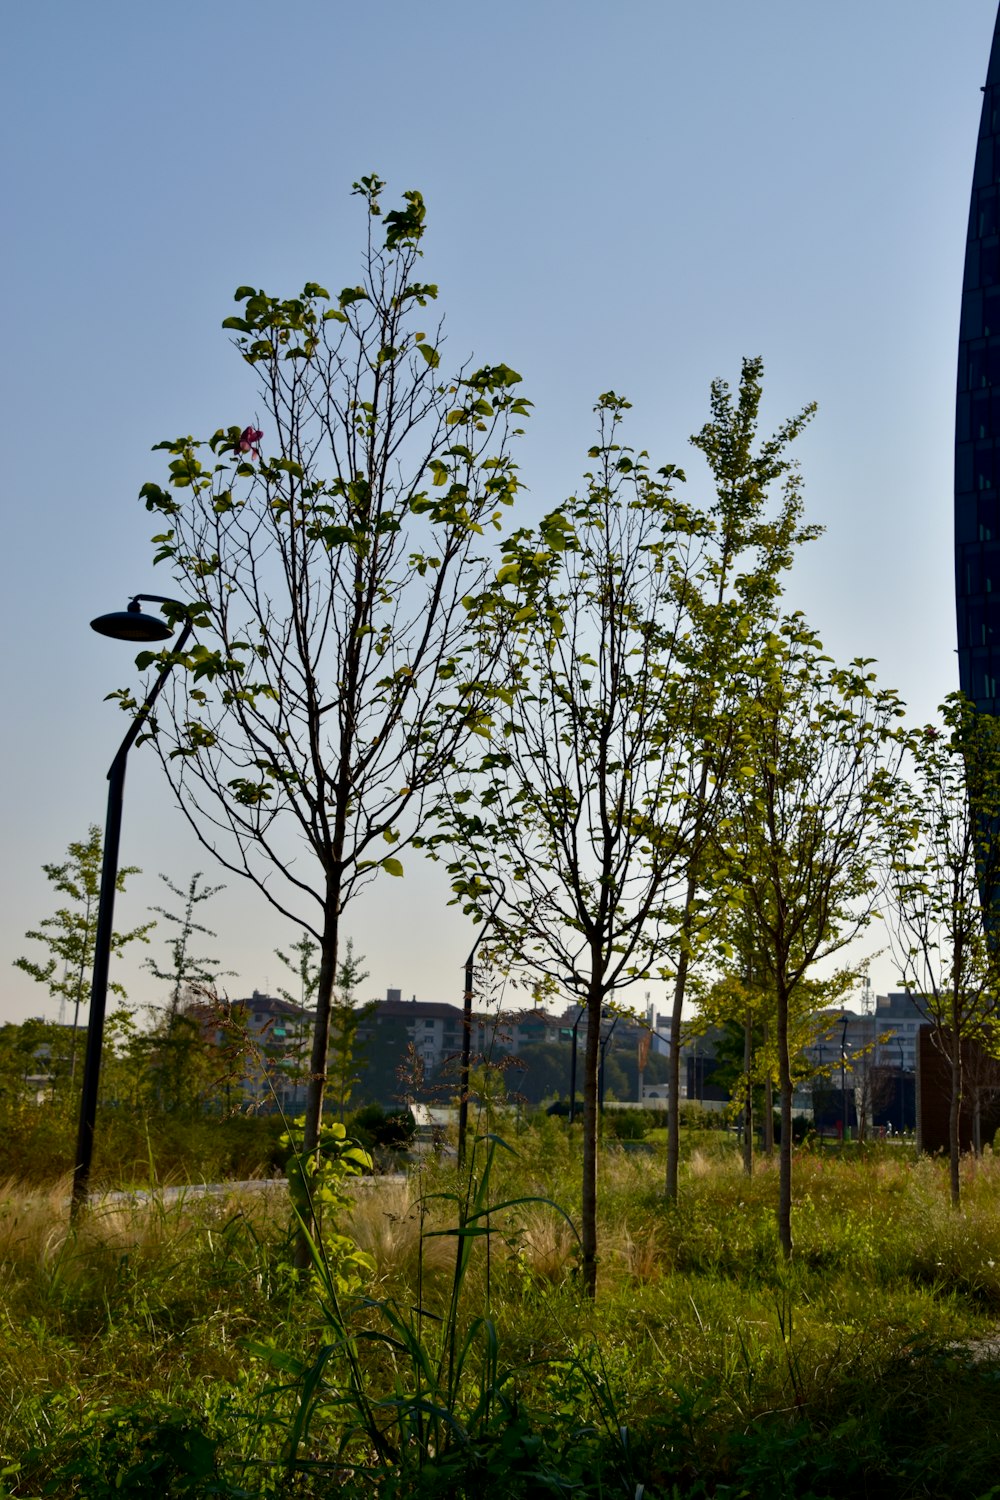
626	198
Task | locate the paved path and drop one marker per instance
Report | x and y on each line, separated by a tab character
219	1189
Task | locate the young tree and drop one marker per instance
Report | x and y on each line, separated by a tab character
69	935
873	1084
748	551
739	1009
945	888
329	564
301	959
807	819
179	1059
302	964
345	1052
186	971
743	1004
568	832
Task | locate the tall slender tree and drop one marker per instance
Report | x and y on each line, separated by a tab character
329	561
569	831
751	541
944	880
70	934
808	818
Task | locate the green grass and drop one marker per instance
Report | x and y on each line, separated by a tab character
171	1351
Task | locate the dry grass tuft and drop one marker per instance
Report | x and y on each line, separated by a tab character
546	1243
638	1253
387	1220
33	1224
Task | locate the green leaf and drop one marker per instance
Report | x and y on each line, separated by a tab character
430	354
392	866
240	324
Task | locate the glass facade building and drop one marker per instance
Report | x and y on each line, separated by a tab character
977	430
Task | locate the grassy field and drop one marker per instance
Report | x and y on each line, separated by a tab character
170	1350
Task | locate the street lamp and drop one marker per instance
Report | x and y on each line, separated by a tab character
124	625
572	1066
466	1062
843	1082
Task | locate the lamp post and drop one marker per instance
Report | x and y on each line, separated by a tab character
465	1065
605	1041
572	1066
902	1089
463	1085
843	1079
125	625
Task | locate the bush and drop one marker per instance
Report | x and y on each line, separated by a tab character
134	1148
386	1130
628	1124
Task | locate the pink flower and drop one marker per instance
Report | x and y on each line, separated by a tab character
247	442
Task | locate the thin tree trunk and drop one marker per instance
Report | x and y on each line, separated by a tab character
977	1124
674	1060
319	1056
785	1159
729	549
748	1105
588	1211
954	1112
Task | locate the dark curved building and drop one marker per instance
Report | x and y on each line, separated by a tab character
977	429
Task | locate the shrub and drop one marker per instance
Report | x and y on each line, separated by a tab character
374	1127
628	1124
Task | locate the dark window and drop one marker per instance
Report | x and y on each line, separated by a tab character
975	626
978	369
987	218
972	315
971	276
991	311
984	175
984	682
970	573
983	467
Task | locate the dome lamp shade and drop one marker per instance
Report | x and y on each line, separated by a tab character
132	625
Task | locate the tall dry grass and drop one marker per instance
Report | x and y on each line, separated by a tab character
699	1332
